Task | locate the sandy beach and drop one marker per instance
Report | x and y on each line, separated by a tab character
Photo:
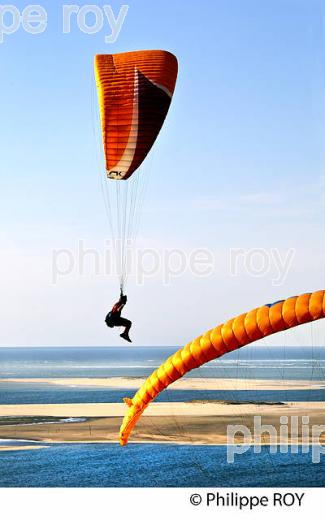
185	423
133	383
195	422
22	448
199	408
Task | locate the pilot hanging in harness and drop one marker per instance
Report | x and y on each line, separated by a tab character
114	318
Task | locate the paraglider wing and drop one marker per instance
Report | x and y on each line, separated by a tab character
233	334
134	91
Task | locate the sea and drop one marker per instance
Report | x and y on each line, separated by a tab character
155	465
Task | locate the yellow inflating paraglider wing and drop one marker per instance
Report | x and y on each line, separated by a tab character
233	334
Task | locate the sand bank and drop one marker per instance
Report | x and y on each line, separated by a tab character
184	423
200	408
133	383
21	448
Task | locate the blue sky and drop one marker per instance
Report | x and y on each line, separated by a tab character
239	164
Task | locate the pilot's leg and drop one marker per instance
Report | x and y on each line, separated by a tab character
127	324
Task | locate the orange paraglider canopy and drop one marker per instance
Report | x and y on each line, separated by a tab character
134	91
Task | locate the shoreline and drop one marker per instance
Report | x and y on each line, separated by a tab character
134	383
47	444
21	448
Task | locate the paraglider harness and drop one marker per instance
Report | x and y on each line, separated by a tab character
110	318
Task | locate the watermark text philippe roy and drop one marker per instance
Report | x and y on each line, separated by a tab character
89	19
293	433
169	263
